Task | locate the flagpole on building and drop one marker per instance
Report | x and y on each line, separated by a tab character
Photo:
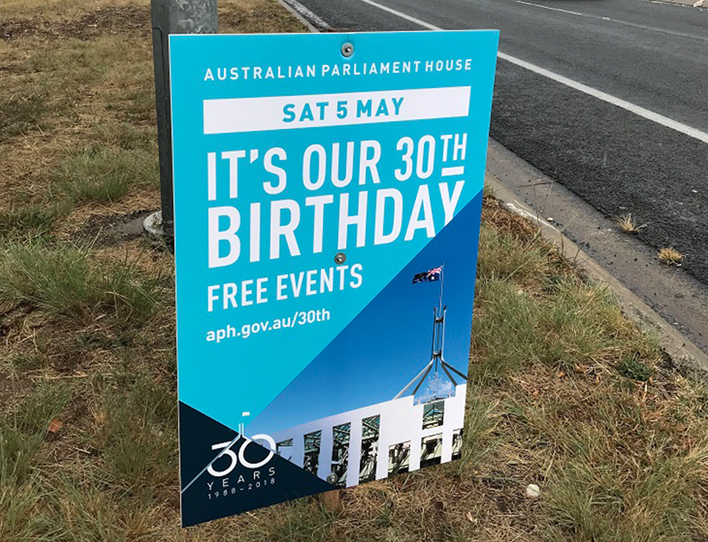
440	318
442	279
438	341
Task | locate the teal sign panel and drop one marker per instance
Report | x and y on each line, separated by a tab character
327	194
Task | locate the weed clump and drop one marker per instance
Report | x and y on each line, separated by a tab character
634	369
670	256
27	221
628	224
66	280
105	175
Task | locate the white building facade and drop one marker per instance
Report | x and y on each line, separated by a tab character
408	436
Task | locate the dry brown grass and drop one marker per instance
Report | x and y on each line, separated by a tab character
62	10
97	99
95	91
670	256
628	224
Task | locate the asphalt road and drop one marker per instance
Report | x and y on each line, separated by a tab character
652	55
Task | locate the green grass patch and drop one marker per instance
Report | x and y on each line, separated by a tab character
125	136
83	509
634	369
23	448
28	221
578	324
105	175
596	495
137	106
137	433
504	257
23	430
66	280
22	112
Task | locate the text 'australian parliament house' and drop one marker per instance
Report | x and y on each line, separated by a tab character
421	426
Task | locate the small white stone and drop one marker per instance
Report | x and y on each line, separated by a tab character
533	491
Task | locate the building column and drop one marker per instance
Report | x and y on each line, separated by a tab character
354	453
298	452
324	468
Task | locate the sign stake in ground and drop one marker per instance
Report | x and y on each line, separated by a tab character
172	17
326	187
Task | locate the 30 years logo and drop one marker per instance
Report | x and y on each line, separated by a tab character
240	456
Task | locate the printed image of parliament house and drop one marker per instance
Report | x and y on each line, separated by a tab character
396	436
373	442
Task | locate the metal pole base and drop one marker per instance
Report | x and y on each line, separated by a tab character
152	225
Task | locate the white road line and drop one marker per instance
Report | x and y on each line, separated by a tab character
308	15
402	15
551	8
617	21
636	109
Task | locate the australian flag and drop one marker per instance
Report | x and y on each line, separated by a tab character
428	276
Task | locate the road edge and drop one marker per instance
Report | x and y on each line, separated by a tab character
311	20
684	3
685	356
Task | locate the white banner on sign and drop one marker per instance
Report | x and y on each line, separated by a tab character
317	110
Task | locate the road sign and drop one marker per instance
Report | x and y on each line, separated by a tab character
328	190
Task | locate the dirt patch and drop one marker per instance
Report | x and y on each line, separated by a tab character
109	20
112	229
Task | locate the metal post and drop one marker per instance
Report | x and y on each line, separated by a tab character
173	17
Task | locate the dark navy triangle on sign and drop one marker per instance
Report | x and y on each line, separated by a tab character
247	476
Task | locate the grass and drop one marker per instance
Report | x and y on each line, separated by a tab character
22	112
645	496
564	392
65	280
101	175
504	258
670	256
137	433
628	224
28	220
633	369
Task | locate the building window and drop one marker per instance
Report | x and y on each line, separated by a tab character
399	457
433	414
457	444
340	453
285	449
369	448
431	450
313	442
